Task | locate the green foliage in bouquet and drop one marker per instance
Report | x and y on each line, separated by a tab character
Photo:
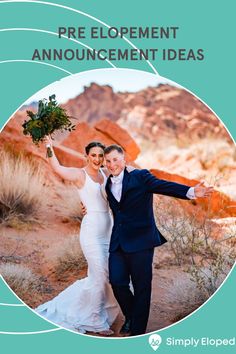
49	118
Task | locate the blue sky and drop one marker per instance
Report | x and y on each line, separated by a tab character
120	80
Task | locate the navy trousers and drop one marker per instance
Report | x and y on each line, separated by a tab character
136	267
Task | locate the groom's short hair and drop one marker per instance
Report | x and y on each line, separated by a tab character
113	147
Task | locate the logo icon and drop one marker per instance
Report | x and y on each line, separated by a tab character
154	341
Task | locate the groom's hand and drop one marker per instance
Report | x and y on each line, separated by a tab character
83	209
202	191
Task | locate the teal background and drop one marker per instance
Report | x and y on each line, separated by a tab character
203	24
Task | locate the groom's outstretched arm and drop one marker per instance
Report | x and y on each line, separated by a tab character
160	186
172	189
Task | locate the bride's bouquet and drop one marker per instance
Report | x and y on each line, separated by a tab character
49	118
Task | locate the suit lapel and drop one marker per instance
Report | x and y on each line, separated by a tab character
124	187
108	190
125	184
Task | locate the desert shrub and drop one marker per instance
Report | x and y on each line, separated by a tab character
70	204
69	257
182	232
182	297
190	239
21	279
22	192
185	294
209	272
204	256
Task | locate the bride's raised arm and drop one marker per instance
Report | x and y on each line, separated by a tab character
72	174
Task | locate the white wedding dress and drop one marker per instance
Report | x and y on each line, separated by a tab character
89	303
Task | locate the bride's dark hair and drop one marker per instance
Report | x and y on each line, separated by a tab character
94	144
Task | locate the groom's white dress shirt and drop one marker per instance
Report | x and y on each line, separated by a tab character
116	187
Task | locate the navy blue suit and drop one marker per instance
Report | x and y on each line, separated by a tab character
134	236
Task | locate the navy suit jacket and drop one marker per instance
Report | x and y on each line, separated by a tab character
134	226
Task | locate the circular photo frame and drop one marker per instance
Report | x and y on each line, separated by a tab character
97	171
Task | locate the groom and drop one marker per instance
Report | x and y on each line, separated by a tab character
134	234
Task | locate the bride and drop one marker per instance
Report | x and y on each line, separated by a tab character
89	303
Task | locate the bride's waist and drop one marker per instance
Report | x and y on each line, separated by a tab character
91	211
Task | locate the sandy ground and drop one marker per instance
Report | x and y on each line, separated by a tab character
36	247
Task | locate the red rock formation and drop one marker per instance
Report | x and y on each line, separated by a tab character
69	151
68	157
95	102
81	136
105	131
163	111
151	115
119	136
12	138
